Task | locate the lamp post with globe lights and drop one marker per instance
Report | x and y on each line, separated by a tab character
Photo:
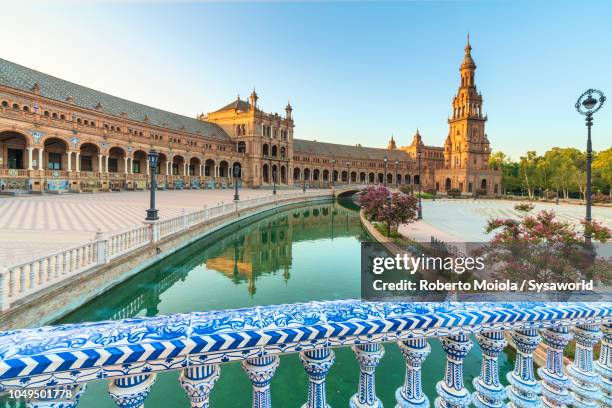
396	174
420	212
385	178
348	172
333	162
236	176
587	104
153	157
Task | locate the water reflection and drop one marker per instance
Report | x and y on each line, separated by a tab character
244	253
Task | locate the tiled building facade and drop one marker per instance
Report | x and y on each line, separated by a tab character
59	136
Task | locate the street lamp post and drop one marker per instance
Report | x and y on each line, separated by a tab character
153	157
587	105
274	182
236	175
396	174
272	173
332	175
420	212
385	178
348	172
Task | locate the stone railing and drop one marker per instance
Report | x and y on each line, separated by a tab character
59	361
20	281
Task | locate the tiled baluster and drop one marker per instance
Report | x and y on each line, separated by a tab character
317	363
604	366
368	356
66	396
131	391
524	389
451	391
584	380
411	393
198	381
260	372
555	384
489	391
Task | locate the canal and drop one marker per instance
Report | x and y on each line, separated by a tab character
285	256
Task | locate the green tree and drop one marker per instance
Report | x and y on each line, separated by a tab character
602	171
510	172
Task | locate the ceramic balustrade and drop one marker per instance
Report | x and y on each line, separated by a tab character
130	353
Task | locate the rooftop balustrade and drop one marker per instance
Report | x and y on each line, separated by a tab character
59	361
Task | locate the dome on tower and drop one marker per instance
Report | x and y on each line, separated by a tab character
392	145
468	62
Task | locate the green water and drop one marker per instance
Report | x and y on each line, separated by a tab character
293	255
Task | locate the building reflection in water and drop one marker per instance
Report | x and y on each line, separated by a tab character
244	252
265	247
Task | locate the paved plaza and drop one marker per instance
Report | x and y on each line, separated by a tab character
33	226
465	220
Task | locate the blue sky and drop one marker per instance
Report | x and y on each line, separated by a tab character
355	72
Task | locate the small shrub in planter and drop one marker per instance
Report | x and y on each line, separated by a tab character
453	192
524	207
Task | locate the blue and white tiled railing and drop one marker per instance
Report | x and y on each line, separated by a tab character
130	353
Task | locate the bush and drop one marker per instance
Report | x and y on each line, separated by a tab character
453	192
481	192
424	195
601	198
406	189
524	207
380	205
550	195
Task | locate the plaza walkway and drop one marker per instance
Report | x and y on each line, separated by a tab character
465	220
33	226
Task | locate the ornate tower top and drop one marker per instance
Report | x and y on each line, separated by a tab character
288	110
467	67
253	100
392	145
467	102
417	140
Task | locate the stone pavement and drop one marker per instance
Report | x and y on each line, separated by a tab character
34	226
465	220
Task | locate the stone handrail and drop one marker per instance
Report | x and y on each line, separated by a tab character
130	353
20	281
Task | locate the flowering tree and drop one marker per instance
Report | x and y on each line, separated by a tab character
542	248
372	200
394	209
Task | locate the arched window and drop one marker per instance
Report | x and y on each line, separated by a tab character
26	108
5	104
63	117
15	106
241	147
46	113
